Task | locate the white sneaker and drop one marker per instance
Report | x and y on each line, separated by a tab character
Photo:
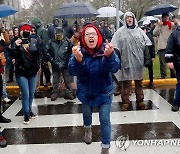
7	100
33	116
26	120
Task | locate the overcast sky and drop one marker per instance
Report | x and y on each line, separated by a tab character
26	3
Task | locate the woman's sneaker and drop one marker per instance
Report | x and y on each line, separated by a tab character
105	151
26	120
32	115
6	100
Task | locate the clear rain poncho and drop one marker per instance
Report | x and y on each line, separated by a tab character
131	44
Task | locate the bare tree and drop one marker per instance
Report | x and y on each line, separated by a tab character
45	9
138	7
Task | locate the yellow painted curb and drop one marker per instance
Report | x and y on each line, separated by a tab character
17	88
157	82
161	82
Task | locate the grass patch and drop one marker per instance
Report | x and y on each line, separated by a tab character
156	70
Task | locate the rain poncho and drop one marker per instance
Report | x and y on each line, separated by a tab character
131	44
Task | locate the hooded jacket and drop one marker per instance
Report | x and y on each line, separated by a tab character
41	31
94	74
68	30
131	41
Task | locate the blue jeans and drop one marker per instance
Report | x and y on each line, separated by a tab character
104	116
27	87
177	94
4	92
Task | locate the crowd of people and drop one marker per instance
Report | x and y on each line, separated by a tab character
97	54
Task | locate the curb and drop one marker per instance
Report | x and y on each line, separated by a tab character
157	82
161	82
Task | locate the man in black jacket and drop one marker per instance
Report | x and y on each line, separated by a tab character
58	52
147	30
172	57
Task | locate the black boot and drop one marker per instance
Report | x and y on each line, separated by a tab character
118	89
4	120
175	108
172	73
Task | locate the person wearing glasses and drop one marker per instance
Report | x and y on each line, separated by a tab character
94	63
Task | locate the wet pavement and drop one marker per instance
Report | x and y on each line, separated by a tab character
59	126
73	134
167	92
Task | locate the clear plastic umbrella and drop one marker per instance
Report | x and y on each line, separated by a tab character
146	20
108	12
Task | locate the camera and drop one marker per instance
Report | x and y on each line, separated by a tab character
24	41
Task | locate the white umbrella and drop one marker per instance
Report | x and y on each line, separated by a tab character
108	12
147	20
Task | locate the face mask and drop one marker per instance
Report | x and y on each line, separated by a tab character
26	34
59	37
33	36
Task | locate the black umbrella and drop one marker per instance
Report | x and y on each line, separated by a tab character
160	9
76	10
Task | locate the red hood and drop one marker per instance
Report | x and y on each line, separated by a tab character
100	39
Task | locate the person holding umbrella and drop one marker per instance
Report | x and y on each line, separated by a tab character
93	64
162	30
